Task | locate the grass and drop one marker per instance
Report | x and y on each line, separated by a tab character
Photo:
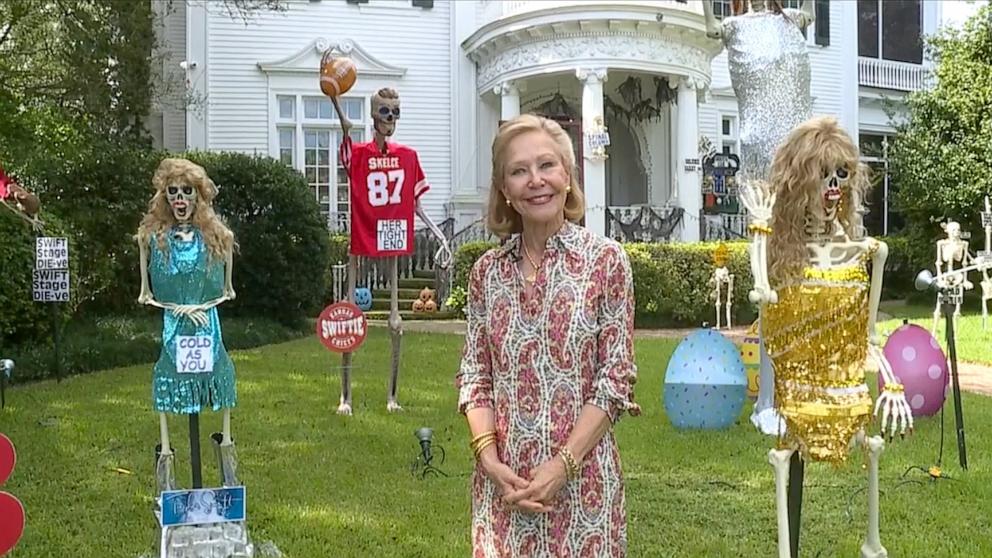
973	343
320	485
92	343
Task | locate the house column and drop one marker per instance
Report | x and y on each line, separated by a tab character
509	98
689	193
593	168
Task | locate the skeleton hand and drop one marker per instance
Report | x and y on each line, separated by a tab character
443	256
759	200
229	294
896	413
145	297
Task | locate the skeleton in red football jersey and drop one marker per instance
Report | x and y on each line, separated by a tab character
386	185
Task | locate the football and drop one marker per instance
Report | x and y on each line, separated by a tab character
337	75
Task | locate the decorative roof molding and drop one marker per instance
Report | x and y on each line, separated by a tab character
307	60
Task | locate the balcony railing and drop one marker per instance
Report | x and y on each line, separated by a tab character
889	74
493	10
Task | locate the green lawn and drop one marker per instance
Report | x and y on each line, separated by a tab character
320	485
974	344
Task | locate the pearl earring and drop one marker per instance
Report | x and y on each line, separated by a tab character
507	201
568	189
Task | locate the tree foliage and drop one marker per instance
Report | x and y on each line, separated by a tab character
942	156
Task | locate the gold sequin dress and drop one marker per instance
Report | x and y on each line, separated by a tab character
817	338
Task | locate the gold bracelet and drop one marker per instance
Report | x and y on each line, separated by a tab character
485	444
752	228
894	388
571	467
481	436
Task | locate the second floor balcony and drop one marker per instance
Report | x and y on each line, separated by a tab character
889	74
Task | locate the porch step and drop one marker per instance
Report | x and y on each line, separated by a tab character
403	294
423	274
382	303
409	315
417	283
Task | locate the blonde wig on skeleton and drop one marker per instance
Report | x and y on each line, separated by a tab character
811	152
502	219
159	218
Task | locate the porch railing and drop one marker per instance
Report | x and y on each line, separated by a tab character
889	74
643	223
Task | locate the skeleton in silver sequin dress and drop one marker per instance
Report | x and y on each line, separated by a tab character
770	74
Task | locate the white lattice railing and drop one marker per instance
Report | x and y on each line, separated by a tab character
888	74
493	10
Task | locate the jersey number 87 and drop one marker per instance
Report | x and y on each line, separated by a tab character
379	185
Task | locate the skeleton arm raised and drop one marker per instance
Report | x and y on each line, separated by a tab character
759	202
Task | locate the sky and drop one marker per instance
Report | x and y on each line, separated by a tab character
955	12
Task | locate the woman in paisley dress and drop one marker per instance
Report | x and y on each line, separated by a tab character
548	364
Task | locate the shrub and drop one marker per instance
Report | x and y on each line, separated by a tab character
280	269
21	319
671	283
465	257
101	194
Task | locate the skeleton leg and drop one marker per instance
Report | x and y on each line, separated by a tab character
227	458
716	292
730	299
395	333
779	460
165	475
873	545
764	416
936	316
344	407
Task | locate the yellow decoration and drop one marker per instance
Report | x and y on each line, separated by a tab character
817	336
751	355
759	229
720	255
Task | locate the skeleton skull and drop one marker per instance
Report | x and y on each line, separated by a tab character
182	200
953	230
385	111
832	190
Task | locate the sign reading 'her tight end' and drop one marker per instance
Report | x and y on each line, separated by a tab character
341	327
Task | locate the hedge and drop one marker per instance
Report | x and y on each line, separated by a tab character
670	281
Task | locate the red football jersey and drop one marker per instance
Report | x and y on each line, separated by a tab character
384	191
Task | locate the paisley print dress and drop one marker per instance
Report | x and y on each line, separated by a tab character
536	359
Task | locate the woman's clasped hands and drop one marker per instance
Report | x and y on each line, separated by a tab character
528	496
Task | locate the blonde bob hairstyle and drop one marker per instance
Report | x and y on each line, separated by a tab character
502	219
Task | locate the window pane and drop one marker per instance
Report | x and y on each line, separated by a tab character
326	110
875	200
324	157
310	108
286	138
353	108
310	139
822	24
357	135
868	28
286	107
323	139
901	22
871	145
323	175
726	126
311	157
311	173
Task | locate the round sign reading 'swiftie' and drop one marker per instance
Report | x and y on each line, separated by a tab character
342	327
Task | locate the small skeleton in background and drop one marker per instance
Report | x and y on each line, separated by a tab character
951	250
985	261
722	276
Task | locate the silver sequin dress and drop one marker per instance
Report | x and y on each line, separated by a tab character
770	73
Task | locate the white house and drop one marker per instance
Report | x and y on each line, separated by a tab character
644	66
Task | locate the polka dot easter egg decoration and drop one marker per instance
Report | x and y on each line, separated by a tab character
919	363
705	382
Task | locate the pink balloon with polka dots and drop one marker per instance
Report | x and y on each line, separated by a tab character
919	363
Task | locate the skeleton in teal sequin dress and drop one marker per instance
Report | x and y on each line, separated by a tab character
186	261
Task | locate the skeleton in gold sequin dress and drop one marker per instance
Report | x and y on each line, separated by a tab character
819	306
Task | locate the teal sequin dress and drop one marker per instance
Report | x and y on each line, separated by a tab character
186	276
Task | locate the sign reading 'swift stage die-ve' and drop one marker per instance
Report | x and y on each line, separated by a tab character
51	269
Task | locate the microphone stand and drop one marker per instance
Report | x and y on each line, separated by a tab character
924	281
